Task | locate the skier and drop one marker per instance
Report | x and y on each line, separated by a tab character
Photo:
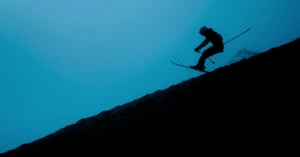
217	46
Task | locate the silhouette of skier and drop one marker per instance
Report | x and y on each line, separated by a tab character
217	46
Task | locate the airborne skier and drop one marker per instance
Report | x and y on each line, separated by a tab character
217	46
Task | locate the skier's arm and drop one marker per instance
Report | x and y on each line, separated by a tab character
204	43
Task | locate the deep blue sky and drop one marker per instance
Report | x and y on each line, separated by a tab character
63	60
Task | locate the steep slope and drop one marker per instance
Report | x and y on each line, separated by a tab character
180	117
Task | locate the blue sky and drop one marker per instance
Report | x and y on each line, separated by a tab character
63	60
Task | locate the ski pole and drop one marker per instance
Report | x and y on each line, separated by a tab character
211	61
245	31
233	38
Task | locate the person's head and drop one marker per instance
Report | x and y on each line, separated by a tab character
203	30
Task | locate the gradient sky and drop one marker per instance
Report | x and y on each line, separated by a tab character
63	60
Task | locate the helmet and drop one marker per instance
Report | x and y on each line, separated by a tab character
203	29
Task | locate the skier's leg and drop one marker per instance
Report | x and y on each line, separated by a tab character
207	53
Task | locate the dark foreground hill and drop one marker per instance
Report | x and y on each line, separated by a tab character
189	116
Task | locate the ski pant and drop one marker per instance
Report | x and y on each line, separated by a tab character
207	53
